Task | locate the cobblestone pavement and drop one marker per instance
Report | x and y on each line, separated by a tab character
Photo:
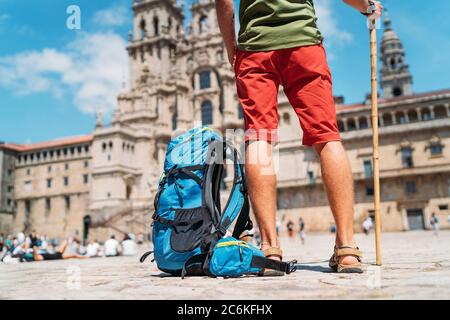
416	266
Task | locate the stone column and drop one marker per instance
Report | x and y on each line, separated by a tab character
419	114
344	124
394	119
431	112
406	116
447	107
357	123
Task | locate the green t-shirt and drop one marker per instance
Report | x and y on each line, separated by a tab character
277	24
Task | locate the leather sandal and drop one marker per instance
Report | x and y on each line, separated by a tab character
268	253
346	250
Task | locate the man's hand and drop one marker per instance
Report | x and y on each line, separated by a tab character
225	18
364	7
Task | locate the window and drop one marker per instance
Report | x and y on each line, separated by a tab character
67	202
48	204
108	195
203	24
49	183
240	112
66	181
10	189
66	166
410	187
205	79
86	178
28	172
363	123
10	172
207	116
9	202
407	160
174	121
142	27
49	169
86	164
443	207
436	149
311	178
367	168
155	26
27	186
27	207
369	191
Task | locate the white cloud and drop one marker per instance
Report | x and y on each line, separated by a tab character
328	23
91	69
117	15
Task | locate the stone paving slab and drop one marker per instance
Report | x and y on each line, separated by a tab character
416	266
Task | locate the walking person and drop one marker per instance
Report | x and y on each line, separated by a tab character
367	225
434	222
290	229
279	43
301	230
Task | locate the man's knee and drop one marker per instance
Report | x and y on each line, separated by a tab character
332	146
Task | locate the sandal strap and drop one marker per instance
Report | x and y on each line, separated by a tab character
273	251
348	251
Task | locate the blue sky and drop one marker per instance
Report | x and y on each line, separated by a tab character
52	79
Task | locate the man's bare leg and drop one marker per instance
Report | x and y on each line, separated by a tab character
338	182
261	180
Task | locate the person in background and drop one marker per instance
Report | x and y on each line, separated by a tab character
128	245
290	229
434	222
59	254
140	238
367	225
93	249
2	242
301	230
112	247
333	228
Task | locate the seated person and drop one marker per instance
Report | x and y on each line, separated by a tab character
57	255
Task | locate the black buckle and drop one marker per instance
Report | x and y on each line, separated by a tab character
291	266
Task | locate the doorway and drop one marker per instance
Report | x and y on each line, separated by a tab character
415	219
86	226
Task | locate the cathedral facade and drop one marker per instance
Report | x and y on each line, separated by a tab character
95	185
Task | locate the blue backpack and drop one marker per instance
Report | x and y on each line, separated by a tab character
190	230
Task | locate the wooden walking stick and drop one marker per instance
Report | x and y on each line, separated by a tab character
376	168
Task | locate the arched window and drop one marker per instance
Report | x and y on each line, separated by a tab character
203	24
412	115
341	126
426	114
363	124
400	117
240	112
440	112
207	113
174	120
351	124
397	91
142	26
387	119
156	26
169	24
286	118
205	79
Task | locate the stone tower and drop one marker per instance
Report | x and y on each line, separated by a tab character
212	80
395	78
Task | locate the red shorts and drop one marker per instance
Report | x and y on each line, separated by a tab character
305	76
